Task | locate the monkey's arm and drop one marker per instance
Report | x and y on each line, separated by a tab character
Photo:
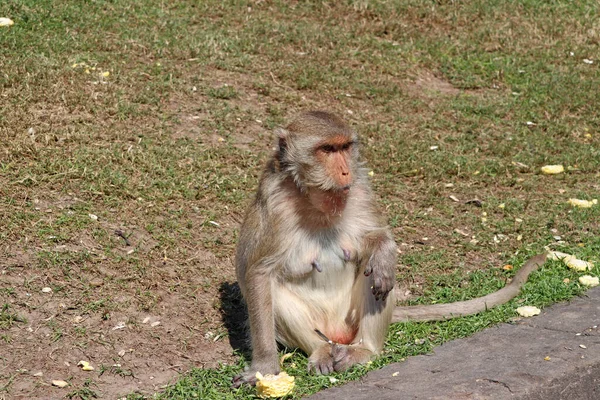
441	312
262	326
379	253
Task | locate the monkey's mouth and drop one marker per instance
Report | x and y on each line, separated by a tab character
337	191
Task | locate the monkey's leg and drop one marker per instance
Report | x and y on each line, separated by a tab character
259	299
374	317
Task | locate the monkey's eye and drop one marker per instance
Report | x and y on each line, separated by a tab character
327	148
346	146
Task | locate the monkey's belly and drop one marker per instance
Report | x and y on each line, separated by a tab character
318	300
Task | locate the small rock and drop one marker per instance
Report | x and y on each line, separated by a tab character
461	232
40	373
46	290
60	384
96	282
475	202
155	323
120	325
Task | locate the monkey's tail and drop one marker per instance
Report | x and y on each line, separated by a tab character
442	312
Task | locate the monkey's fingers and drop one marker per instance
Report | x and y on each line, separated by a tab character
381	288
240	379
320	361
322	367
338	353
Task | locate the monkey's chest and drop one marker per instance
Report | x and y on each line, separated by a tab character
320	265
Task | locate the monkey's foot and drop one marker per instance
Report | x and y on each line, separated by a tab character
249	375
345	356
337	357
321	360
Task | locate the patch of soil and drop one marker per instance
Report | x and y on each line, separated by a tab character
428	83
139	334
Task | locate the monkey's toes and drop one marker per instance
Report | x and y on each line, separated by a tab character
345	357
243	378
321	367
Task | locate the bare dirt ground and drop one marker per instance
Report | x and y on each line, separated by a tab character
131	349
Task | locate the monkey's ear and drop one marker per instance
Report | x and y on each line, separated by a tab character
282	136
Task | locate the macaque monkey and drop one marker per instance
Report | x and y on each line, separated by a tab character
315	264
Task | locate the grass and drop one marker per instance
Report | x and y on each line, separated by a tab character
466	100
8	318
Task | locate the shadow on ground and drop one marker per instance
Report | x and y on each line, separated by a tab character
235	316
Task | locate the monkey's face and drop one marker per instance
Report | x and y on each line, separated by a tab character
333	168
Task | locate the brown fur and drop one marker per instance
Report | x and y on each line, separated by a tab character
314	259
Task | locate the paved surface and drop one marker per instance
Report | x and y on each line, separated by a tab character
502	362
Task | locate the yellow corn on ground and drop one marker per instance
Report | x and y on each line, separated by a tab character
588	280
582	203
270	386
552	169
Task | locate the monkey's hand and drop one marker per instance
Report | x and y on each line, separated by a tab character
381	268
249	375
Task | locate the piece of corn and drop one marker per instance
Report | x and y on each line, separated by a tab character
528	311
85	366
582	203
269	386
579	265
6	22
559	256
552	169
588	280
570	261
